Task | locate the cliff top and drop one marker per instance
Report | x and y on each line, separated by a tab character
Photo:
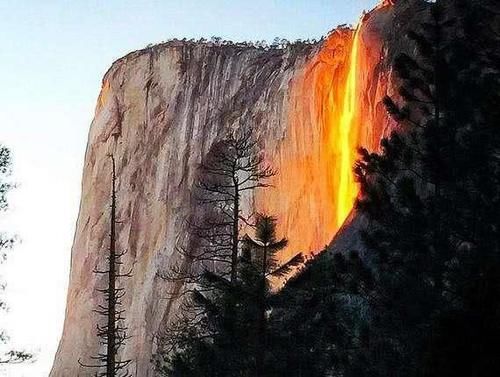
278	45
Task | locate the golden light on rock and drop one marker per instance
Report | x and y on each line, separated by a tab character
334	107
347	141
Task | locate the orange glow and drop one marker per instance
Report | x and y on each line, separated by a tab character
103	96
347	142
334	107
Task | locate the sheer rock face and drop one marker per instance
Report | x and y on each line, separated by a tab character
159	111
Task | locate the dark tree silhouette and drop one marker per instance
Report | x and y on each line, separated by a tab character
432	200
260	265
423	299
233	167
234	339
317	322
113	333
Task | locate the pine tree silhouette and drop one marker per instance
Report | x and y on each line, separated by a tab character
429	197
261	257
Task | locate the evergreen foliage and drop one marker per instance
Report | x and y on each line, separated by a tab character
223	327
233	167
6	243
425	298
259	266
231	337
432	199
209	267
318	319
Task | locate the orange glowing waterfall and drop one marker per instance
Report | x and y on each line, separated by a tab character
347	142
332	109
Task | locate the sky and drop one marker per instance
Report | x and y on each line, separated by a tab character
53	55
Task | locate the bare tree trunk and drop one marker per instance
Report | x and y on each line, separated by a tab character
113	334
236	231
261	340
111	326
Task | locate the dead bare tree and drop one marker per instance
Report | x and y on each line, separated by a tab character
113	333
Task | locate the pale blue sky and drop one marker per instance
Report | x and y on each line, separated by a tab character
52	58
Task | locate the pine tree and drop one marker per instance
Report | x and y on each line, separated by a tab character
235	321
464	334
318	319
6	243
431	198
113	333
209	270
233	167
260	264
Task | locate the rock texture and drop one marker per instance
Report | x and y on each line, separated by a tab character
160	110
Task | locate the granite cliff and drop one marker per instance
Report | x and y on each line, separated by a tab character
159	111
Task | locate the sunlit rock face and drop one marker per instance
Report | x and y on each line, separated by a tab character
334	108
160	110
